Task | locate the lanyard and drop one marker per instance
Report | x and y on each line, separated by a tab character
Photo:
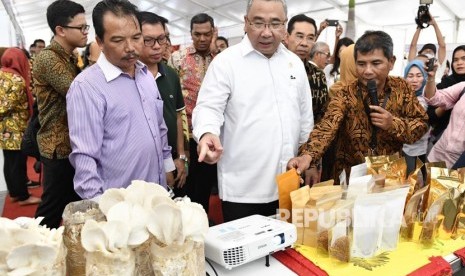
374	130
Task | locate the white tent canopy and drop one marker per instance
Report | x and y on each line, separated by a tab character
24	20
393	16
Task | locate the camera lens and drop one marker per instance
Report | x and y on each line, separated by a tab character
424	15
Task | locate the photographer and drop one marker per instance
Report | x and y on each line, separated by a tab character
430	49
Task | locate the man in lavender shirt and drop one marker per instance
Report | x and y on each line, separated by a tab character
115	112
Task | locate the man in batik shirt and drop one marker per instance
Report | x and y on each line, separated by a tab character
191	65
54	70
300	38
351	116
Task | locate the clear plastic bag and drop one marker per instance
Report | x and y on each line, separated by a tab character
339	241
394	203
120	263
322	243
176	260
74	217
144	258
368	225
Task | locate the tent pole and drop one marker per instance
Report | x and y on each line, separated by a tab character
18	31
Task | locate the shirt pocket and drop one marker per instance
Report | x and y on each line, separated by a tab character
293	83
159	109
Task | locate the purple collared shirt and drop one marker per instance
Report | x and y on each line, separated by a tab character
116	129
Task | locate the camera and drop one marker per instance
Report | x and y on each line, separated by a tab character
430	64
423	16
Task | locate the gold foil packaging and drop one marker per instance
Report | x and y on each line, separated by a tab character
445	181
388	171
458	231
412	215
375	163
416	179
432	221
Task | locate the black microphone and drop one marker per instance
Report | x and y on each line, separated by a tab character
373	92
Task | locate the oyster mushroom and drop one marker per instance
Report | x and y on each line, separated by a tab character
30	258
104	236
165	223
93	238
117	233
110	198
139	192
194	220
133	215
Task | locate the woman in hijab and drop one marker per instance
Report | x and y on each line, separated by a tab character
458	68
15	111
416	76
348	71
438	117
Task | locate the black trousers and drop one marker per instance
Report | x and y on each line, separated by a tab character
411	164
15	171
234	210
460	163
58	190
200	179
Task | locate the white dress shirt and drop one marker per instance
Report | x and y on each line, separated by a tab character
262	110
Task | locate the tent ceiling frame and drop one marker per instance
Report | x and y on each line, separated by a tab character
8	5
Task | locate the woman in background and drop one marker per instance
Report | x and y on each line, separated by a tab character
451	145
438	117
15	110
416	76
347	68
348	75
332	70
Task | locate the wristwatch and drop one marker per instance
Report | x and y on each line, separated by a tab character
183	157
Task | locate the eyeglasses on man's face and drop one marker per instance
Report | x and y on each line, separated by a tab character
82	28
327	54
260	25
150	41
309	39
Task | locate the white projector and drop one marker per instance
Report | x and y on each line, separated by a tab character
243	240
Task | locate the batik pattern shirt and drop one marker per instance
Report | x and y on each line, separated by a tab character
13	110
346	118
191	68
54	70
317	81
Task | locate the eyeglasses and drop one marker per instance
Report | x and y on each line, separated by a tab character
83	28
327	54
309	39
260	26
150	41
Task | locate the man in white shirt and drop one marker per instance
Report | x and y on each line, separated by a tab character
253	111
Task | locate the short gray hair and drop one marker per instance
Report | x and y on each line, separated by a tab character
250	2
317	48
